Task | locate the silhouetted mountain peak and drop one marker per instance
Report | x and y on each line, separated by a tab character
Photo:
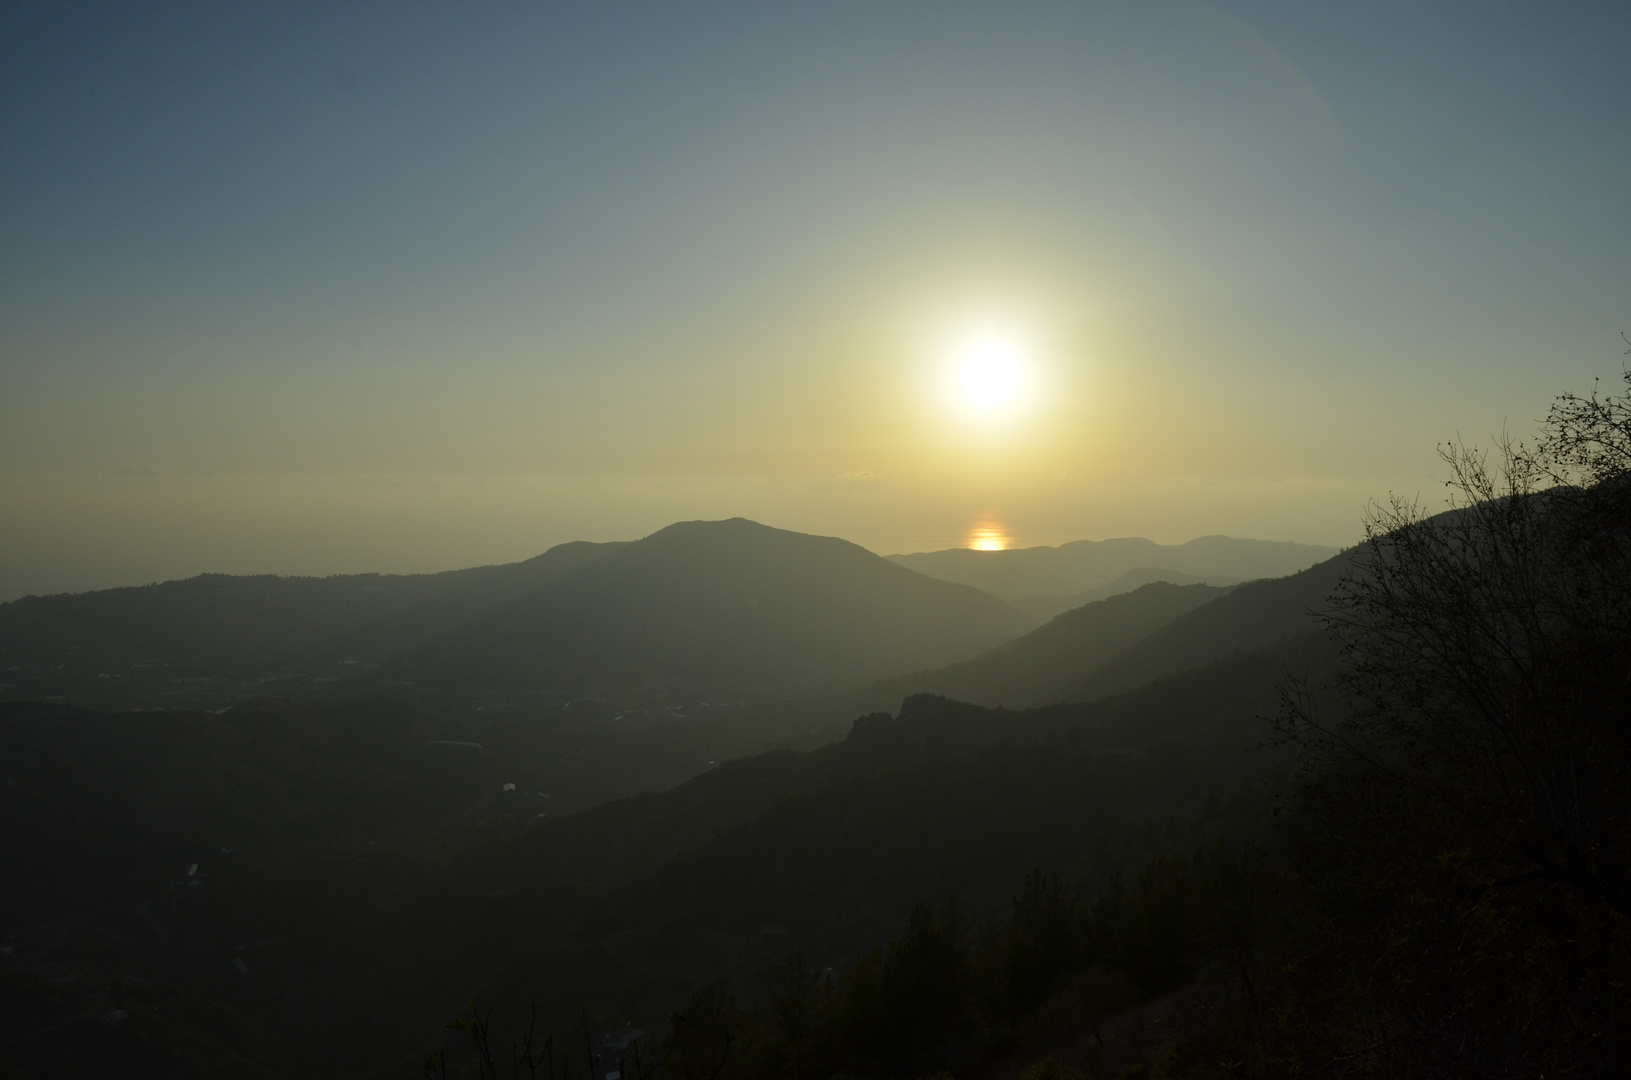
741	543
731	603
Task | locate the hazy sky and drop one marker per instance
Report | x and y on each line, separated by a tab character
414	286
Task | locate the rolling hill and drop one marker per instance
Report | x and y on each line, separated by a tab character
1038	667
1125	641
217	622
728	604
1251	617
1047	606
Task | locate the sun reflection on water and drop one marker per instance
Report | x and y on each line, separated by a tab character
989	535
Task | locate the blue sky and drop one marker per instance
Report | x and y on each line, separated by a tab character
410	286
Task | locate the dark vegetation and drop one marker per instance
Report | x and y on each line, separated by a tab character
619	908
1365	820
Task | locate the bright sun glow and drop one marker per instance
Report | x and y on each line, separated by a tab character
988	535
990	374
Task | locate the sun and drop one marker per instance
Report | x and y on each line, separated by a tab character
989	373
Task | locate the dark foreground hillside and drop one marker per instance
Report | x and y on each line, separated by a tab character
359	904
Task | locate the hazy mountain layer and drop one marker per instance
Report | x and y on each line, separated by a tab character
727	606
1087	564
1126	641
731	604
217	622
1040	666
1047	606
1253	616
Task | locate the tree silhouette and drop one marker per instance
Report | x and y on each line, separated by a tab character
1469	785
1488	651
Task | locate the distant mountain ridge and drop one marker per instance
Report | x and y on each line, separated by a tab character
1088	564
1040	667
1251	617
221	621
1127	641
731	604
1047	606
